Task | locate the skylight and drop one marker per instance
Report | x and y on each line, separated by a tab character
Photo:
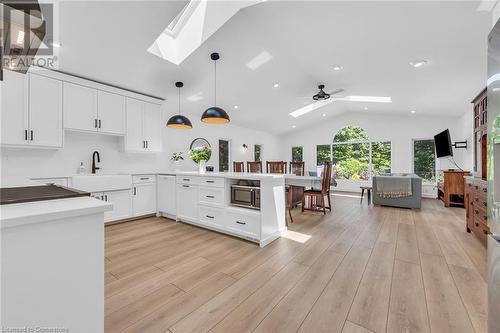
259	60
195	23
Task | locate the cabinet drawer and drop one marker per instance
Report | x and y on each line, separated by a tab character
187	180
211	216
480	230
479	201
138	179
479	214
246	225
211	195
212	181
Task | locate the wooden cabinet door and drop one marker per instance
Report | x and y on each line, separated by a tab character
111	113
134	139
80	107
144	199
187	202
45	111
14	108
152	127
166	195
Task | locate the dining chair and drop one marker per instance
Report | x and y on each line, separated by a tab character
297	168
275	167
238	167
314	194
254	167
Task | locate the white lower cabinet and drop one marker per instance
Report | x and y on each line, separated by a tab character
122	205
144	198
211	216
187	202
243	223
166	195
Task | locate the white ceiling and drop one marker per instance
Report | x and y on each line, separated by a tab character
373	42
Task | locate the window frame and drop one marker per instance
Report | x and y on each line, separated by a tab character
260	151
229	166
301	153
424	181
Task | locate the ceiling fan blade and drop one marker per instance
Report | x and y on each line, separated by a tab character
337	91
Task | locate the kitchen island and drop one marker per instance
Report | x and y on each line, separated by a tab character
204	200
52	264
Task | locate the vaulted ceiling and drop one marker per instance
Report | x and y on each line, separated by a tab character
301	40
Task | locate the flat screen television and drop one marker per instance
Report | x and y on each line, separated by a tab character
442	141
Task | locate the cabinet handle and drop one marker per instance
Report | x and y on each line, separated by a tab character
95	123
477	224
186	179
239	222
99	123
144	178
210	196
106	196
485	217
31	135
210	217
476	211
147	144
477	199
135	190
210	181
26	135
185	186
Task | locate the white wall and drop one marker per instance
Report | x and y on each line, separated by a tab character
400	130
22	163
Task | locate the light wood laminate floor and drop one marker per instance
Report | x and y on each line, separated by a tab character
359	269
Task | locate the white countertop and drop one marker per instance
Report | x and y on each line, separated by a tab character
13	215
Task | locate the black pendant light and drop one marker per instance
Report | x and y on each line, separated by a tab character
179	121
214	114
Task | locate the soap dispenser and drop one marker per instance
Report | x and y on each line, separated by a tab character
81	168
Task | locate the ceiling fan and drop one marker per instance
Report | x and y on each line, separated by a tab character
322	95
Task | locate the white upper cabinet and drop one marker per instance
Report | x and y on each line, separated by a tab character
143	126
45	112
152	127
31	111
111	113
14	105
92	110
80	107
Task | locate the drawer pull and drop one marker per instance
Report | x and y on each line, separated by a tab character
144	178
477	199
210	181
477	224
486	232
239	222
186	179
476	211
210	196
185	186
477	187
210	217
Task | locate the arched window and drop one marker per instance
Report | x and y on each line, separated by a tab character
354	156
350	133
351	154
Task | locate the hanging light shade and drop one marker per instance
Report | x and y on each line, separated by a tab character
214	114
179	121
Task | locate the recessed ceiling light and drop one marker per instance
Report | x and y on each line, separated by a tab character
337	67
294	126
413	111
236	106
324	114
276	85
418	63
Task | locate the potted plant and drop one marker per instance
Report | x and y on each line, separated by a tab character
200	155
177	158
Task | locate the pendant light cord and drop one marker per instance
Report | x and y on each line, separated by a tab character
215	83
179	100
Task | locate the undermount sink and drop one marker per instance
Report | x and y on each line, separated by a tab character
101	182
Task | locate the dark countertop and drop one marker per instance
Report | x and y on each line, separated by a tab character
11	195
